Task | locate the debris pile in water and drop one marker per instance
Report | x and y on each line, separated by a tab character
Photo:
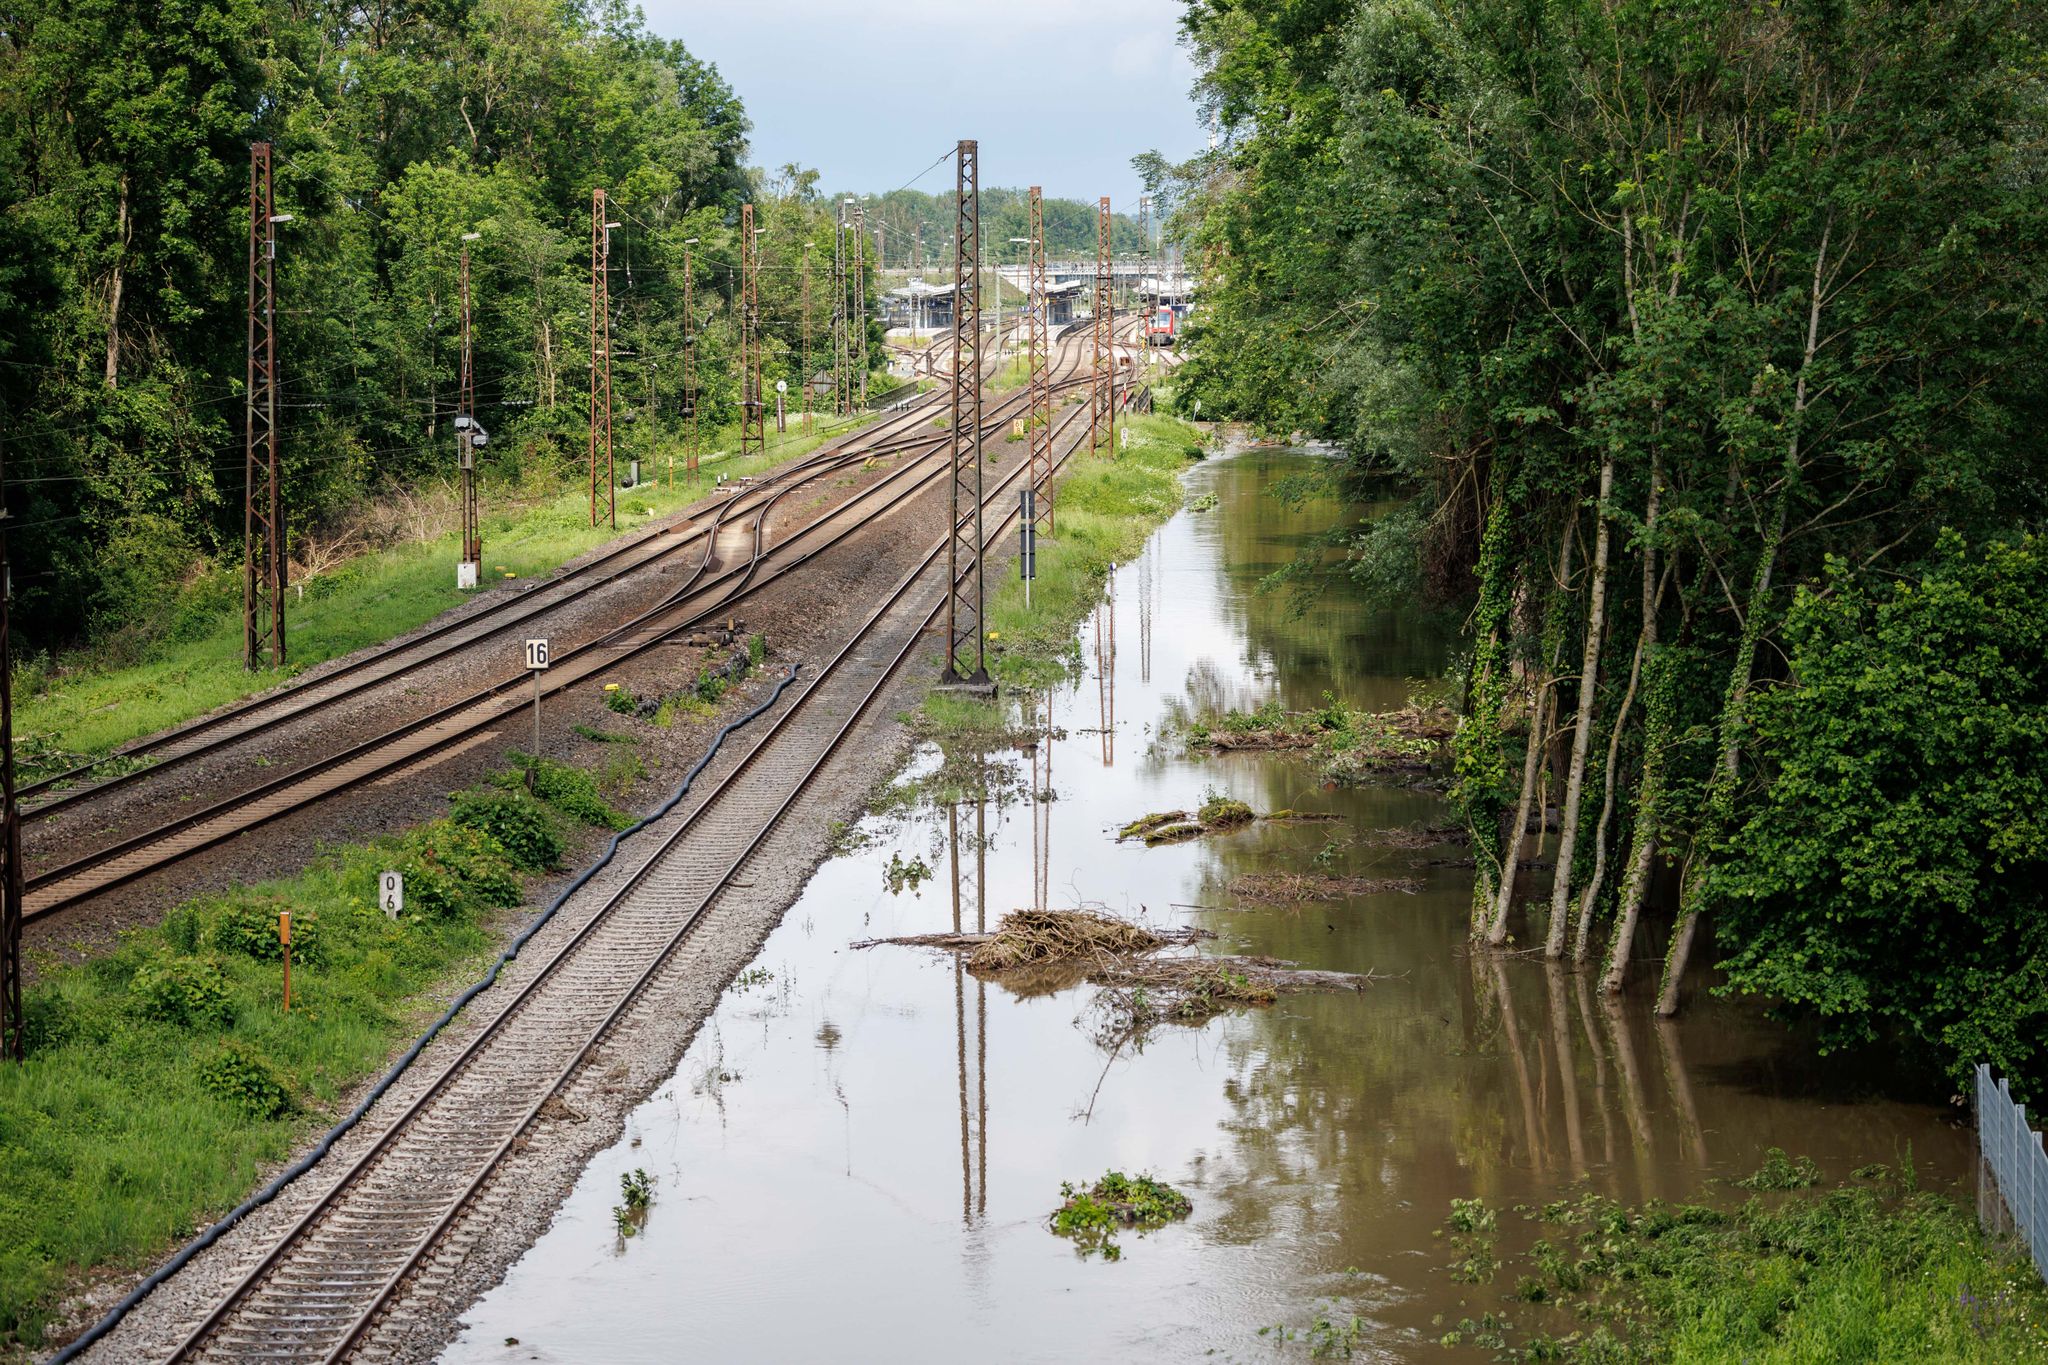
1288	888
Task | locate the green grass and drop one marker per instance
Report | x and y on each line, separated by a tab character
81	710
1872	1271
1106	510
164	1078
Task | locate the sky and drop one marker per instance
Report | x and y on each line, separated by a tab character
1059	93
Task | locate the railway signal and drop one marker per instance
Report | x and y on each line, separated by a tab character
12	1021
263	564
468	436
965	644
689	372
1027	540
601	357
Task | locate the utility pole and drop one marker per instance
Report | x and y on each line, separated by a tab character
263	565
917	274
12	1021
469	572
1102	392
753	415
860	300
840	404
689	363
601	357
964	642
805	308
1144	263
1039	424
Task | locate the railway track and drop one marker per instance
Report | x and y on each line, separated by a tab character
704	596
324	1289
371	667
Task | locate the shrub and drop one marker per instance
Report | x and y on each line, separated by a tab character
486	873
247	927
181	990
573	792
241	1076
622	701
521	826
432	891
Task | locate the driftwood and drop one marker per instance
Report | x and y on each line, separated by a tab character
1030	937
1283	888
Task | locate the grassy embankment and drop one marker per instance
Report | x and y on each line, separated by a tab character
1872	1271
83	707
1106	510
163	1079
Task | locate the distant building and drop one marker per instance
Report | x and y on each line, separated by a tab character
925	307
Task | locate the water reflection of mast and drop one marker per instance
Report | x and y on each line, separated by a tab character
1147	583
1105	670
1041	813
970	885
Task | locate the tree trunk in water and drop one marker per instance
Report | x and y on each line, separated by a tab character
1721	792
1591	891
114	286
1511	855
1637	878
1635	883
1582	733
1542	721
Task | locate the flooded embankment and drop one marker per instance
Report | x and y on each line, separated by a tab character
858	1154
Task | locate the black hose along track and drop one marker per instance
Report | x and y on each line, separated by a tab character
54	889
324	1284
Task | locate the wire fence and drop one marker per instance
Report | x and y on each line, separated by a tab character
2012	1184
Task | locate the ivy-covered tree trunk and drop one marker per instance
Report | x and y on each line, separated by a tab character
1542	720
1635	882
1481	768
1582	725
1720	803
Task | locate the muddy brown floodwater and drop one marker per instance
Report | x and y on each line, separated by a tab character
858	1154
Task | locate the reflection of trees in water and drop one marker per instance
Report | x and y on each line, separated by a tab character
1352	1121
1340	641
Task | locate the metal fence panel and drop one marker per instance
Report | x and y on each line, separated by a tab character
2010	1152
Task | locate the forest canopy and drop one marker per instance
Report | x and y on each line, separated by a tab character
1708	340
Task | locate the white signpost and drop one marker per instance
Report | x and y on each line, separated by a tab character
537	660
390	893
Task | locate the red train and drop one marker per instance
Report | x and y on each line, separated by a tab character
1162	327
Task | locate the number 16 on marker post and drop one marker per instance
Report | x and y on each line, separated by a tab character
537	660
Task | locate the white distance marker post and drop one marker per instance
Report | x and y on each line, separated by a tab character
536	660
391	893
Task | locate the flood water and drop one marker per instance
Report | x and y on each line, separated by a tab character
857	1156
